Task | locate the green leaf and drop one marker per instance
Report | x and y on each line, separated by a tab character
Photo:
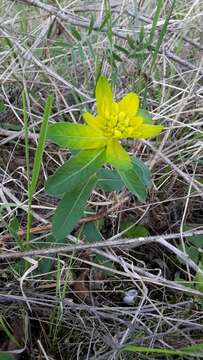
146	115
18	267
71	208
199	279
132	181
13	228
14	225
135	231
76	136
101	260
91	232
109	180
142	171
117	156
197	240
75	171
2	106
192	252
5	356
44	266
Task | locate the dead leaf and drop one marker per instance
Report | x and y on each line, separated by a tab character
81	288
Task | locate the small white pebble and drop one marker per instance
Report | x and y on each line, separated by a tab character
130	296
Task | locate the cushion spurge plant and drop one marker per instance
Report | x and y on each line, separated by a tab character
99	142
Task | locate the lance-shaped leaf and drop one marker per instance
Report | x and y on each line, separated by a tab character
145	115
134	184
142	171
91	232
75	171
76	136
117	156
109	180
138	179
71	209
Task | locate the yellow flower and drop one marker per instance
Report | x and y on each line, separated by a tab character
113	122
117	121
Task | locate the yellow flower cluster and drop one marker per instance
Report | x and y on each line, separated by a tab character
117	124
119	120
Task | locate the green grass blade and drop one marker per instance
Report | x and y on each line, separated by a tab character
13	228
155	21
5	328
38	157
27	160
41	144
162	34
182	352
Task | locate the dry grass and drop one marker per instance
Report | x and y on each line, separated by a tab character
69	304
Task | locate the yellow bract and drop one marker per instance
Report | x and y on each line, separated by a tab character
119	120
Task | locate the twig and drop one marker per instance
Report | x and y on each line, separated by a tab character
134	272
77	21
126	243
195	184
13	134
